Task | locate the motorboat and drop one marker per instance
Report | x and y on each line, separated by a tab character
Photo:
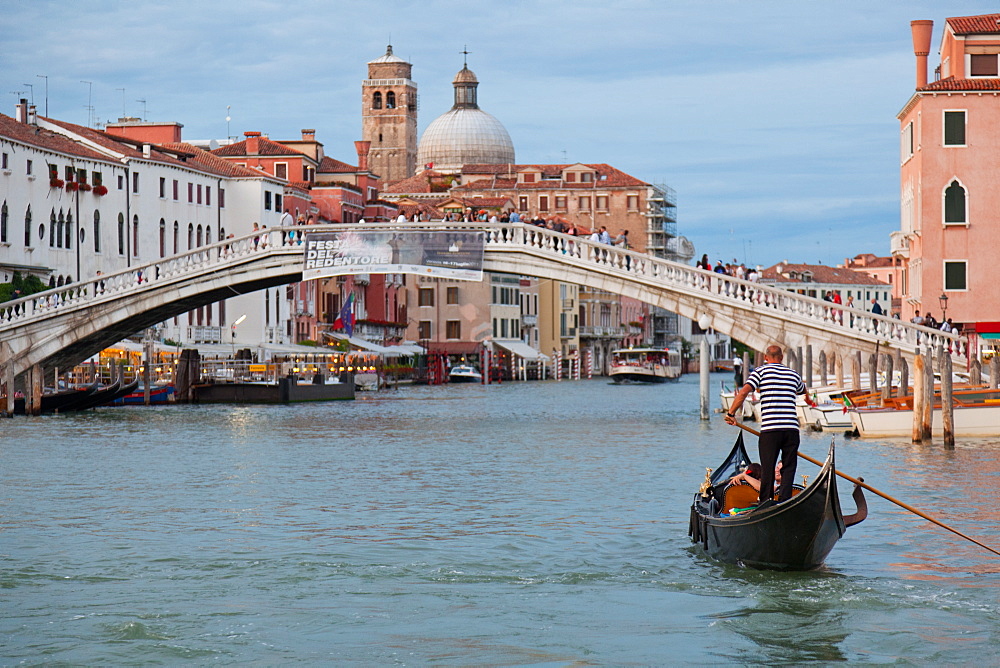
464	373
976	413
645	365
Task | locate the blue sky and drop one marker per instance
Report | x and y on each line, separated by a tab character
774	121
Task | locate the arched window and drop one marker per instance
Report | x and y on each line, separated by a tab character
97	231
121	234
208	235
163	238
135	235
199	236
390	100
177	237
3	223
376	100
52	229
27	227
190	236
59	282
69	230
954	204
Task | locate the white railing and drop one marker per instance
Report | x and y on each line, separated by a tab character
503	238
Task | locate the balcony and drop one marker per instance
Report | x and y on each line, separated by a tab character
899	242
202	334
529	320
601	332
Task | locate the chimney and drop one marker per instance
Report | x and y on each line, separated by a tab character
32	115
253	142
147	150
308	135
921	32
21	111
362	148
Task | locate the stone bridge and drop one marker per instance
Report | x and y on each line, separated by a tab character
64	326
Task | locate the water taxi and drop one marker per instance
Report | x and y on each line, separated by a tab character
645	365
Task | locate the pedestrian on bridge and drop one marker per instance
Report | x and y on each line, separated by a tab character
778	386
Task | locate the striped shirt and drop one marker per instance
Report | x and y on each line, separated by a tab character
777	385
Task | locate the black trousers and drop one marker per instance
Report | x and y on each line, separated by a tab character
770	444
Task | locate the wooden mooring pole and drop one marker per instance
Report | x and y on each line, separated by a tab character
927	415
918	397
947	403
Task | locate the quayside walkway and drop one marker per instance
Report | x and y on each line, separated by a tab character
66	325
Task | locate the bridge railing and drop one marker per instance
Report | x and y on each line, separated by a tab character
722	288
579	251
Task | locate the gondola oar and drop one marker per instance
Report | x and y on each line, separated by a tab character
884	496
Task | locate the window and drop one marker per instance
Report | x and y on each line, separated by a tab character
135	182
954	204
3	223
528	178
98	178
424	330
602	202
68	231
28	166
5	161
522	203
586	177
390	100
585	203
208	195
163	238
543	203
281	170
199	193
376	100
52	227
632	202
27	227
560	202
954	275
452	295
177	237
983	65
570	177
453	329
906	143
954	128
222	198
267	200
163	187
97	231
425	297
176	190
121	234
135	236
277	202
121	182
190	193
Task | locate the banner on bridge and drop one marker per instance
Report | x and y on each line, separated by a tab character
455	254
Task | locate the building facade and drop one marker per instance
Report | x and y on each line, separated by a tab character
948	239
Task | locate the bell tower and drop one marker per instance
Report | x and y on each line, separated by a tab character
389	117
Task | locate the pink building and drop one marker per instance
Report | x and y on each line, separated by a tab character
950	143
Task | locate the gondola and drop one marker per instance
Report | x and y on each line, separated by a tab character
794	535
58	402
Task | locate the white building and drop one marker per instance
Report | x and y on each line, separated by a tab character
77	202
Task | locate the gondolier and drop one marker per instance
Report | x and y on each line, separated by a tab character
778	386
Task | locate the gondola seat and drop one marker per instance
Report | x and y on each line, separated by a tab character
741	495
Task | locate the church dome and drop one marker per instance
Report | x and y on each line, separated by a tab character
465	135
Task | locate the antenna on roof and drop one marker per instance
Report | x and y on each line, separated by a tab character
143	103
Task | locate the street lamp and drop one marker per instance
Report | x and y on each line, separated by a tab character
238	321
943	301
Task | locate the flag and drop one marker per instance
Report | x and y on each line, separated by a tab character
429	165
345	320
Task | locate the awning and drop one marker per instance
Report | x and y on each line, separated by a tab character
520	348
360	344
455	347
406	349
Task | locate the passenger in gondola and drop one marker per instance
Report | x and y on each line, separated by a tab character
750	476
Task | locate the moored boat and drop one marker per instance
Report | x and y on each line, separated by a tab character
464	373
796	534
976	414
645	365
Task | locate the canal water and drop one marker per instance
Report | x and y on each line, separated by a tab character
522	524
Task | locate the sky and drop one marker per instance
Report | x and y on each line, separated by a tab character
773	121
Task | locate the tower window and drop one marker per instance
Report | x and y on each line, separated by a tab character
954	204
954	128
390	100
376	100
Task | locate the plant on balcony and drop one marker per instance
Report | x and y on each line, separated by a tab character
100	191
72	186
56	183
85	187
